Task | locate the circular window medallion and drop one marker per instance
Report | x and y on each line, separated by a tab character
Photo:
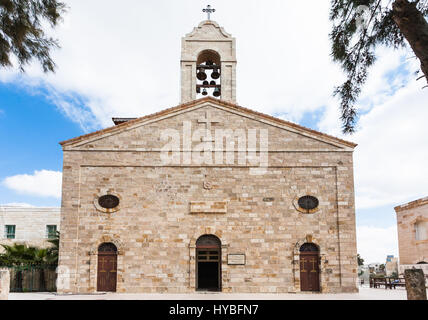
108	201
307	204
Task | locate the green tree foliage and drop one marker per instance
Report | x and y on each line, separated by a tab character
359	26
22	254
21	32
53	251
360	260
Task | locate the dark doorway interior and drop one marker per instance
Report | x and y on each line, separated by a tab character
208	269
208	263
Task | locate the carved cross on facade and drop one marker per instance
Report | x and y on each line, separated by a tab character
208	121
208	10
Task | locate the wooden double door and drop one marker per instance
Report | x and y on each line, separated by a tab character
107	268
309	271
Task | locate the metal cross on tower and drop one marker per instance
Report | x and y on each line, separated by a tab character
208	10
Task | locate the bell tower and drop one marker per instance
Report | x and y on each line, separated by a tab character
208	63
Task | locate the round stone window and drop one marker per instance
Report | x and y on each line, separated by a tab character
306	204
108	201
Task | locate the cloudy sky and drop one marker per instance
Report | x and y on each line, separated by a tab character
123	60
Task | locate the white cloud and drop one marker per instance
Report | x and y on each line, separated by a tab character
390	161
126	63
17	204
374	244
43	183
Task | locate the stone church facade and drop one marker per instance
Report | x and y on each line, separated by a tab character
208	195
412	227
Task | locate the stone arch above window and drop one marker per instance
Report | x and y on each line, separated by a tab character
107	247
209	55
309	247
208	241
107	239
208	230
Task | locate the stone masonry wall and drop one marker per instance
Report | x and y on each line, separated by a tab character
30	224
411	251
4	284
155	229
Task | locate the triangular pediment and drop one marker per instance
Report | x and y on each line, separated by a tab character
144	134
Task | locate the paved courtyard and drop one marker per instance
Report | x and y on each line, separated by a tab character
364	294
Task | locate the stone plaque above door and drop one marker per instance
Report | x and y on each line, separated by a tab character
208	207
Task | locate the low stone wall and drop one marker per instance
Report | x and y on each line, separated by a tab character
4	284
423	267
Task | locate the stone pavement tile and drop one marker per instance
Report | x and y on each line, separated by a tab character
364	294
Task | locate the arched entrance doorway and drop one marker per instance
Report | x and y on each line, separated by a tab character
107	267
309	267
208	263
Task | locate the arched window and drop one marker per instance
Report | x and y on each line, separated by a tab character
208	241
309	247
107	248
208	74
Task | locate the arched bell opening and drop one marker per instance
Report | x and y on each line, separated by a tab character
208	263
208	74
309	267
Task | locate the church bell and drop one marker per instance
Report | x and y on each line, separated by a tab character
215	74
204	92
217	92
201	75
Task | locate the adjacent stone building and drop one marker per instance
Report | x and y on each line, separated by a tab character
391	266
412	220
208	195
30	225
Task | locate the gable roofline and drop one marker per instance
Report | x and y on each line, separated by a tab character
193	103
411	205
